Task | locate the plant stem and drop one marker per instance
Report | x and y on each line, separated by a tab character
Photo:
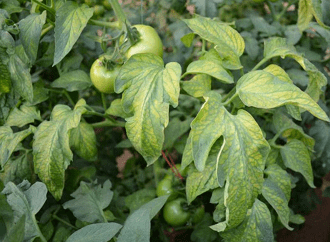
104	101
50	10
119	12
230	99
242	71
114	25
263	61
107	123
280	15
64	222
45	30
272	10
68	97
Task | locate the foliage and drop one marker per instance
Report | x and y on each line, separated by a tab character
231	121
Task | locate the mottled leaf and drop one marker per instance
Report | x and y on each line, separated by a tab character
76	80
116	109
22	116
149	89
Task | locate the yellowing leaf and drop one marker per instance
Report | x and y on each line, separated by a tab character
261	89
198	85
149	89
242	156
229	43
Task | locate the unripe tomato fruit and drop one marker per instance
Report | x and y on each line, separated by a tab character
164	187
149	42
99	10
103	78
174	214
198	215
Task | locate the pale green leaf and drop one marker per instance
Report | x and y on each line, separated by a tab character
257	226
90	199
16	231
76	80
21	78
22	116
51	148
229	43
188	39
116	109
279	176
291	130
26	200
296	157
137	226
199	182
198	85
135	200
276	198
70	21
83	141
187	156
242	156
272	157
210	64
296	218
100	232
9	141
206	8
30	32
261	89
149	89
278	72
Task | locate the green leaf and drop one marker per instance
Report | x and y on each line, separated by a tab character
73	81
198	85
21	78
101	232
242	156
200	182
116	109
210	64
9	141
321	133
16	231
135	200
261	89
296	157
51	148
70	21
89	201
5	81
276	190
83	141
175	129
291	130
148	88
30	32
137	225
187	156
40	94
229	43
307	9
26	200
202	231
18	169
188	39
207	8
24	115
257	226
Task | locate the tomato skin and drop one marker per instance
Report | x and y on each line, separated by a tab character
99	10
198	215
149	42
102	78
164	187
174	214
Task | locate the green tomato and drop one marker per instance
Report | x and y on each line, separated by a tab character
106	4
198	215
98	10
103	78
174	214
164	187
149	42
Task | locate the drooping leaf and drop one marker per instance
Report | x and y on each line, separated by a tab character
83	141
149	89
242	157
9	141
30	32
137	225
198	85
296	157
76	80
307	9
22	116
89	201
26	200
51	147
70	21
257	226
21	77
101	232
261	89
229	43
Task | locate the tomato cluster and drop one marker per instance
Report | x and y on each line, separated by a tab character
176	211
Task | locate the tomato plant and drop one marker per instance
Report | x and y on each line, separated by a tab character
215	126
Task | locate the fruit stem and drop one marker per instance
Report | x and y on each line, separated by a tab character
119	12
